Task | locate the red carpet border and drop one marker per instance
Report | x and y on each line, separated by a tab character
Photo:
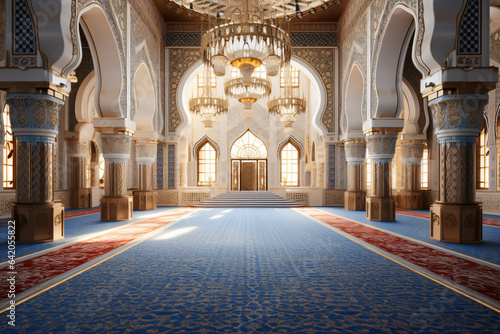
37	270
79	213
477	277
490	222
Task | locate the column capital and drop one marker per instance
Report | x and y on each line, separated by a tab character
78	149
413	151
145	151
355	151
116	147
34	114
457	118
381	146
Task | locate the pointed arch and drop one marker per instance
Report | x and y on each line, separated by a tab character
289	155
145	98
248	146
295	142
202	142
353	99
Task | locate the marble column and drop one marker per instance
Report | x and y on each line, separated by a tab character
34	119
78	154
116	204
355	196
411	196
380	204
145	197
456	216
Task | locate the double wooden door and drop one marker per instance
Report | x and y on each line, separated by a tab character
248	175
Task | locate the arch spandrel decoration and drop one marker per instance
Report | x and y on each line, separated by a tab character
295	142
322	60
248	146
202	141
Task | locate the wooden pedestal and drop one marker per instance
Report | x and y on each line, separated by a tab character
38	222
80	198
144	200
460	223
410	200
116	208
355	200
381	208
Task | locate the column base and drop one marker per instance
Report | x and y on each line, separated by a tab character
38	222
80	198
115	208
355	200
460	223
410	200
381	208
144	200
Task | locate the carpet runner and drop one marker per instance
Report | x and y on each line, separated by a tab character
37	270
80	213
475	276
490	222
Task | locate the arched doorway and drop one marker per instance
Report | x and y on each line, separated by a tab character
248	163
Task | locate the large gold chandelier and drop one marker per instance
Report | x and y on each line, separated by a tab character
247	37
288	105
205	104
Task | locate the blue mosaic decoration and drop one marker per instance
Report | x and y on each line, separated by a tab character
304	39
183	39
171	166
159	167
331	166
24	35
469	41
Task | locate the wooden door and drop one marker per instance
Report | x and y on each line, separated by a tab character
249	175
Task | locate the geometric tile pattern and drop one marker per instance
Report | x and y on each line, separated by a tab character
159	167
171	166
183	39
24	36
469	41
453	174
331	166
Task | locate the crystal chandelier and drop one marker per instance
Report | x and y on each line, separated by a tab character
288	105
247	37
247	92
205	104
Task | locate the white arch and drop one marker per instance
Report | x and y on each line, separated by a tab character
414	107
318	105
145	99
85	99
353	99
390	64
106	58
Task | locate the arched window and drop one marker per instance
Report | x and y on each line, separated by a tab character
424	169
482	159
102	166
294	77
207	165
248	146
9	152
289	157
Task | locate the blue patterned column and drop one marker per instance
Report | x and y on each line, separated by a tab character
456	217
34	119
381	206
355	197
171	166
331	166
145	197
116	203
159	167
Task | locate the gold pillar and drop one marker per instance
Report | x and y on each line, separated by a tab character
411	196
116	204
380	204
456	216
34	119
355	196
145	198
78	153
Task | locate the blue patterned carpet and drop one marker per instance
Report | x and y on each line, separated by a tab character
251	271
